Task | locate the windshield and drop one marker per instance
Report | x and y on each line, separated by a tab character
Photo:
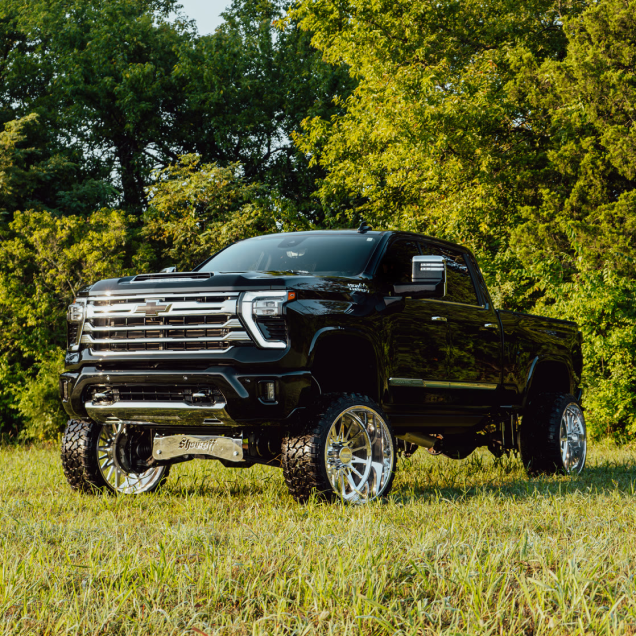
323	254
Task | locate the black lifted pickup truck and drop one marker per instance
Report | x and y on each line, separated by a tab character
325	353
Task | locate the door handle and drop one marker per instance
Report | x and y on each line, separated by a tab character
491	325
439	319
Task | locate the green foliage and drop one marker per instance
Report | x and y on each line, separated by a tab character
578	240
507	127
39	402
33	175
604	305
44	261
197	209
257	77
102	77
124	87
439	135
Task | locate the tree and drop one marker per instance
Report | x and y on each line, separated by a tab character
579	239
198	209
508	127
44	261
35	176
256	79
440	135
123	88
103	78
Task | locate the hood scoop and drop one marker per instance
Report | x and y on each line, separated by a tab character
171	277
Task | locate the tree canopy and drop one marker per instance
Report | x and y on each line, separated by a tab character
126	137
104	107
507	127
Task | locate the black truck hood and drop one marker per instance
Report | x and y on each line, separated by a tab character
203	282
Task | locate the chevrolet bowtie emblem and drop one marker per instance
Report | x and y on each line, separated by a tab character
151	308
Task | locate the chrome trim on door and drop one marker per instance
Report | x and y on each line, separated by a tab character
437	384
406	382
485	386
451	302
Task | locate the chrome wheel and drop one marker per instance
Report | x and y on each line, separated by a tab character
359	455
573	439
114	474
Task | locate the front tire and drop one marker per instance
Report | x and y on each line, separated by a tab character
553	437
345	451
91	464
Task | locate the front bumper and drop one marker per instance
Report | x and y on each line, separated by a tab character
243	402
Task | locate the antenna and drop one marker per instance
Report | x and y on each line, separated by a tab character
364	227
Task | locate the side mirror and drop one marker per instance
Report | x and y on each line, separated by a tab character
428	278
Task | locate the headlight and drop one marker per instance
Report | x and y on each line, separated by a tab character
258	307
75	318
268	307
75	313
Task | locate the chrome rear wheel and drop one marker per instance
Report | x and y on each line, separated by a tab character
573	439
553	438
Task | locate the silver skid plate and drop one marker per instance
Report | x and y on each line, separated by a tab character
229	448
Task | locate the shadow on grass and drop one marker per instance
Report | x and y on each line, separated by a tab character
424	478
506	478
225	482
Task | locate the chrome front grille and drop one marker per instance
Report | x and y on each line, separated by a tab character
163	323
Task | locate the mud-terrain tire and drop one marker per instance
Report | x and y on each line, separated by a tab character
552	436
81	464
314	456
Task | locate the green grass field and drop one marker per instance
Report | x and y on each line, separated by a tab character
471	547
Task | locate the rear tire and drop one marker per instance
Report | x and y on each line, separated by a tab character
553	438
90	464
346	450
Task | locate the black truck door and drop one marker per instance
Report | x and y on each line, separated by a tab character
416	336
474	360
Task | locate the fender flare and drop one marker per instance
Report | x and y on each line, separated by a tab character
330	332
532	374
